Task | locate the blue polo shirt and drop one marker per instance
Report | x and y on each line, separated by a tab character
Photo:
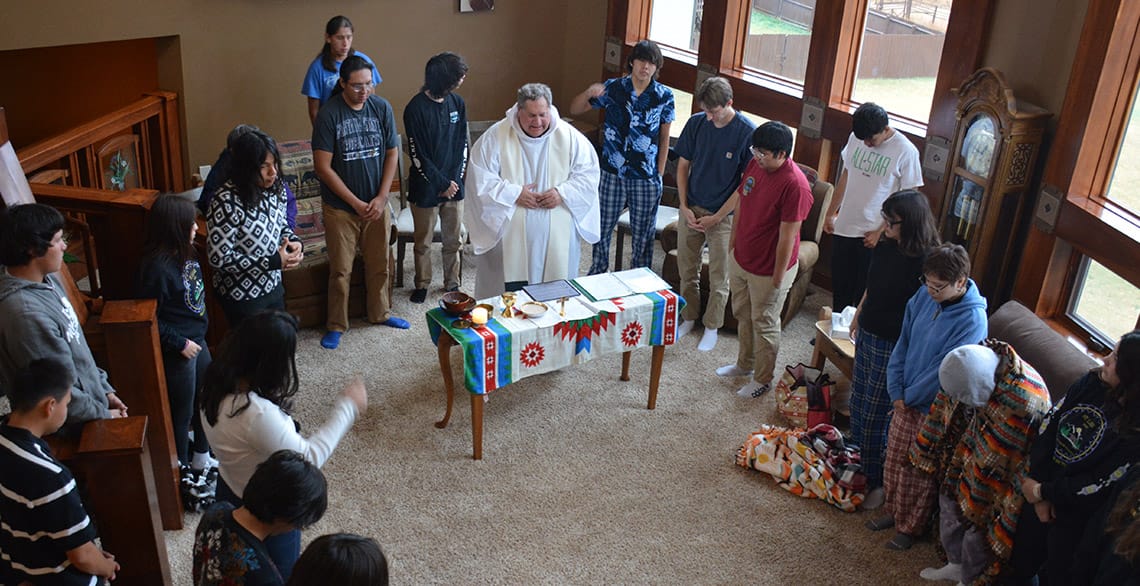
717	158
632	125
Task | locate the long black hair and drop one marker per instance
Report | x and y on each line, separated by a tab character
259	357
249	152
1126	394
168	228
917	232
328	61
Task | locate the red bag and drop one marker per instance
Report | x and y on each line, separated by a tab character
819	401
803	396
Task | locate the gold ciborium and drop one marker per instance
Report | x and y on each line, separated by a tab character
509	304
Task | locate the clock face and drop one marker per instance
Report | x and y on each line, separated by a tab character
979	145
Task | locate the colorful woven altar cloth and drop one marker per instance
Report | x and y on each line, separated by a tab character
509	349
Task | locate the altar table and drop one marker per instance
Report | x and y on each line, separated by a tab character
506	350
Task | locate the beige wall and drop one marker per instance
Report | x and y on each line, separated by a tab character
1033	42
243	60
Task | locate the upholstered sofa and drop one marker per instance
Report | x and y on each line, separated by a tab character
1059	362
810	233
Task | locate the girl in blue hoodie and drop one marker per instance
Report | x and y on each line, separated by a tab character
946	313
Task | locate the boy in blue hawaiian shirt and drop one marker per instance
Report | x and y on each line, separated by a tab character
635	146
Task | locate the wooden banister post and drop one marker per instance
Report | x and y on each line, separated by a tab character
134	360
113	461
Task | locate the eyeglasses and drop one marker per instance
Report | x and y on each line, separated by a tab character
360	88
887	219
759	154
934	289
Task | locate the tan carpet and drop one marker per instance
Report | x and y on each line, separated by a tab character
579	482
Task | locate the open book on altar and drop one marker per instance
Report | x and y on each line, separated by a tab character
620	284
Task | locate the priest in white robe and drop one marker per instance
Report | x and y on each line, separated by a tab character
532	196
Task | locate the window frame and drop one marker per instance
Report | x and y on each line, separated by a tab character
1097	339
1090	130
836	34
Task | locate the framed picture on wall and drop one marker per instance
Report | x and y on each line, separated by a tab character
476	5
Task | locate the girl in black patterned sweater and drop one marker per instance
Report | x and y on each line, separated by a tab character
249	237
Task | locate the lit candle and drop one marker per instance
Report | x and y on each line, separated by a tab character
479	316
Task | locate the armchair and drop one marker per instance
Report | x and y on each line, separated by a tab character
810	233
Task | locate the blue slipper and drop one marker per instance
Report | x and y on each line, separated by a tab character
331	340
396	322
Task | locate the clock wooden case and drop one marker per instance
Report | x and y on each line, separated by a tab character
988	192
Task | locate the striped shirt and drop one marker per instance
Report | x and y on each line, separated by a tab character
41	515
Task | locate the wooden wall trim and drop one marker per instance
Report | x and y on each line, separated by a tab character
3	126
1083	151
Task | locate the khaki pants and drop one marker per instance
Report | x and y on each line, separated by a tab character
343	232
689	245
756	305
450	214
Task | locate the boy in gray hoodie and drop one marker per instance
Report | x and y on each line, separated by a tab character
36	318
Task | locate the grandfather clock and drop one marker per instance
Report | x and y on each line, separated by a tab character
988	195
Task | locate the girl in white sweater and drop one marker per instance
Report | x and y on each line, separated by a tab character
246	404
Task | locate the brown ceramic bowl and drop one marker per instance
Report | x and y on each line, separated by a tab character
456	303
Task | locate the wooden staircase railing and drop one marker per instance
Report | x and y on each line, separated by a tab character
153	119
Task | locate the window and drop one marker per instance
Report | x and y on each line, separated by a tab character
779	38
758	120
1104	303
900	54
1124	189
676	23
683	108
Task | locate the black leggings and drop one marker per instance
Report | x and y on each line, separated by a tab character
183	379
850	261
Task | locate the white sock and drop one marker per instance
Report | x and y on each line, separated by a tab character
708	341
732	370
951	572
751	390
876	497
203	461
684	329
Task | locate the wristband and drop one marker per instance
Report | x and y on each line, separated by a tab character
1037	492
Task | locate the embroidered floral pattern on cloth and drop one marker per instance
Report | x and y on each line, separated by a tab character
505	350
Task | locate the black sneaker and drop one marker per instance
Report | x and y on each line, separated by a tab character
419	295
197	489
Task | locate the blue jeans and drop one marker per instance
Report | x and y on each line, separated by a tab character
284	549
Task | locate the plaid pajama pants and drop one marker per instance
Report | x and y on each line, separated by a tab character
870	403
642	196
911	493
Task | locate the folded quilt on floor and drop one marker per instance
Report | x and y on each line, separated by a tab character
811	464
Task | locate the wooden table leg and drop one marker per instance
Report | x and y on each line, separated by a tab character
655	374
817	357
625	356
444	346
477	425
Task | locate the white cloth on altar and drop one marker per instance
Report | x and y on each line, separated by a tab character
494	221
